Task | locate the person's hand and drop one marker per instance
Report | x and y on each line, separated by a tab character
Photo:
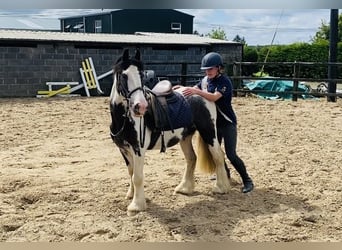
188	91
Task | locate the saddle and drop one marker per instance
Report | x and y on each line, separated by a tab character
162	88
168	108
162	91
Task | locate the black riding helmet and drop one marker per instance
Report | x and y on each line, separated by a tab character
211	60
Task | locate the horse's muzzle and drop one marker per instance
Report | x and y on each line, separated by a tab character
139	109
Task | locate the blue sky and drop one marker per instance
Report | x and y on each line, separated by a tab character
257	26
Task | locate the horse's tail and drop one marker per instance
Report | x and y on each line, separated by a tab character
205	161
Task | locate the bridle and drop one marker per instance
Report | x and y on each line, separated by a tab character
122	88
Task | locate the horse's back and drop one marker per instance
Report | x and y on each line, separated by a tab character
204	117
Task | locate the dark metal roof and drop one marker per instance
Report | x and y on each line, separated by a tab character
113	11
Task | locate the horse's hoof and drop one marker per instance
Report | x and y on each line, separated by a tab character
132	213
217	190
181	191
135	208
186	188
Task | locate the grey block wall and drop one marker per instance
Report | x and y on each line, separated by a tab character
25	68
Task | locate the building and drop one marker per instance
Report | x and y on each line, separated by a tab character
29	59
130	21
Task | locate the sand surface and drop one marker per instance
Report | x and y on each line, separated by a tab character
62	178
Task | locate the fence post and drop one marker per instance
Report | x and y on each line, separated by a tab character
236	80
332	71
295	82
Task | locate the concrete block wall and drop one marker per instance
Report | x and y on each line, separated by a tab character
24	69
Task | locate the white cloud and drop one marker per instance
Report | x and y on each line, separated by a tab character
257	26
30	24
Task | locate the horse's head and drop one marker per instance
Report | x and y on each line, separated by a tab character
128	73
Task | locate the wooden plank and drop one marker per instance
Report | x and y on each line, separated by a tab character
48	93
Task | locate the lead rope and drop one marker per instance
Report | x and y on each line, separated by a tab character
122	128
142	133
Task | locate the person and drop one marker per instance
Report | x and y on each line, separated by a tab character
218	88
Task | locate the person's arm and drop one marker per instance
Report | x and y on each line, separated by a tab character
188	91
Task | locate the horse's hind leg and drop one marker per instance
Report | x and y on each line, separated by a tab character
222	184
187	184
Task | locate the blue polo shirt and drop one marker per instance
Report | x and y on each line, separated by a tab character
222	84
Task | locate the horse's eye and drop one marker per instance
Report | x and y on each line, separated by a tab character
124	77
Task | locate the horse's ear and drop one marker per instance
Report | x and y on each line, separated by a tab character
125	55
137	55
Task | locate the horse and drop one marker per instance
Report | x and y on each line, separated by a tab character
134	130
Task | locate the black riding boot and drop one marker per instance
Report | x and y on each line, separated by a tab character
247	185
241	169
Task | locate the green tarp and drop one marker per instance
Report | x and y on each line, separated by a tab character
276	85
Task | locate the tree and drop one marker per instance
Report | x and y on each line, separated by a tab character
217	34
250	54
323	33
197	33
239	39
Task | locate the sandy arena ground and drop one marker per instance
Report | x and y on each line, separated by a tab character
62	178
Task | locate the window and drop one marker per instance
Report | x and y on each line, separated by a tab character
67	28
79	27
98	26
176	27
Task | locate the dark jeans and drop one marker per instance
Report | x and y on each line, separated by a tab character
229	135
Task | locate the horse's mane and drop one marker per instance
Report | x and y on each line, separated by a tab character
124	61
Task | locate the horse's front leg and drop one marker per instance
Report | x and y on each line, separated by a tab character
128	157
138	202
187	185
130	192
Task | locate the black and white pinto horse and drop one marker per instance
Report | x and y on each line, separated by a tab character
134	131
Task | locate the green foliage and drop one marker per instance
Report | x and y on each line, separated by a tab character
323	32
296	52
239	39
317	51
250	54
217	34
